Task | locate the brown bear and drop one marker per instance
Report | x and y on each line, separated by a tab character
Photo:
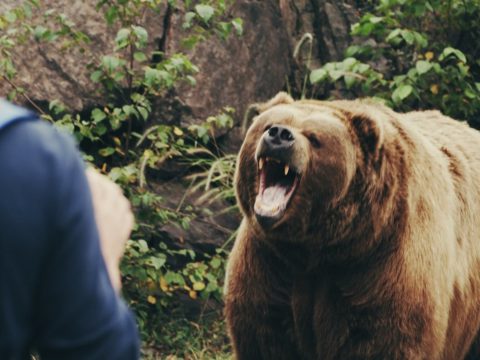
360	237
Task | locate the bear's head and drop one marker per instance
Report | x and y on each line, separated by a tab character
299	160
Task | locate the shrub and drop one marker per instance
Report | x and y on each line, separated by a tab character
407	55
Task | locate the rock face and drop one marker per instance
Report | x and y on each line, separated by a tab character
48	72
233	73
242	69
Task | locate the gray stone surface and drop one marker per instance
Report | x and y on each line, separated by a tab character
232	73
48	72
242	69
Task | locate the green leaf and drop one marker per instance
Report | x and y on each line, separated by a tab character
394	34
141	34
376	19
41	32
335	74
98	115
199	286
238	26
349	81
449	51
191	80
352	50
142	246
318	75
348	63
470	94
100	129
408	36
157	262
111	14
139	56
362	68
423	66
172	277
215	263
122	38
205	12
106	151
401	93
189	16
143	112
110	63
421	40
96	76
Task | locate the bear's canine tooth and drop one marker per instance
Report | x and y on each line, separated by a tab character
286	169
260	163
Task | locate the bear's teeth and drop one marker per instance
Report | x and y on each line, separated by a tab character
260	164
286	169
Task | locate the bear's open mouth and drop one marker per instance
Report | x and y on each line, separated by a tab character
277	183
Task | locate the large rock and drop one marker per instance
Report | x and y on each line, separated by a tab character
242	69
47	71
233	73
328	21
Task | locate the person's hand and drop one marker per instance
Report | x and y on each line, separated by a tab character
114	219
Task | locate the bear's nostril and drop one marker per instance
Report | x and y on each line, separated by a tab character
286	135
273	131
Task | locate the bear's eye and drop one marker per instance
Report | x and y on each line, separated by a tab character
313	140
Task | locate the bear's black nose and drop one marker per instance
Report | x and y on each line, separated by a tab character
278	137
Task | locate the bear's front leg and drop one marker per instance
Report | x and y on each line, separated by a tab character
258	333
257	305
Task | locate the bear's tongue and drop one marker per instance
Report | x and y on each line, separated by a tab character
271	201
274	196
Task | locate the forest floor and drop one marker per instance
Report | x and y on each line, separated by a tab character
205	339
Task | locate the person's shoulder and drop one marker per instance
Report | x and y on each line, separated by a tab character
26	144
35	134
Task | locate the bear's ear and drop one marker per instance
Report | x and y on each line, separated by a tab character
257	108
369	133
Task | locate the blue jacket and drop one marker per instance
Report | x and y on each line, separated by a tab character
55	294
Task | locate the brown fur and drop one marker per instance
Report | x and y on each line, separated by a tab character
378	254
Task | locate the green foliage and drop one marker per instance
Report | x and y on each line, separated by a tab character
402	57
158	273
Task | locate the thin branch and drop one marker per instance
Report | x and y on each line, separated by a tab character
30	101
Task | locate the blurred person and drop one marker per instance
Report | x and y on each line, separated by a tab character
58	295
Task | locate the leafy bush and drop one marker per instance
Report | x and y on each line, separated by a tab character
158	274
403	57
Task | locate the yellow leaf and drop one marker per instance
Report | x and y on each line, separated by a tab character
199	286
177	131
434	89
163	284
192	294
117	141
104	167
429	55
152	299
150	284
